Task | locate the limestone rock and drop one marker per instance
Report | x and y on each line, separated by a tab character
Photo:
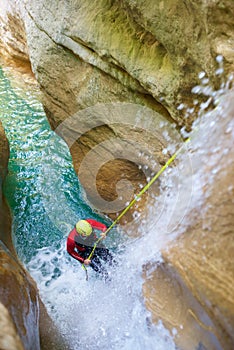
9	339
18	292
193	288
13	42
148	53
4	212
154	48
4	154
22	313
19	295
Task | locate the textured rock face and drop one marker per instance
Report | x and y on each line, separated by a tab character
18	292
13	42
101	52
4	212
22	314
201	262
154	48
4	154
149	53
8	335
19	295
9	339
124	51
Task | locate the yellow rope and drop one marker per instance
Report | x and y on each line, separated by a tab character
136	198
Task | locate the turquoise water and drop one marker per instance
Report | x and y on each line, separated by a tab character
42	188
46	200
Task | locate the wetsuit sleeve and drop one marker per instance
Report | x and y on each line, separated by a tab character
97	225
71	249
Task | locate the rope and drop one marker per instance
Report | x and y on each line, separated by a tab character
147	186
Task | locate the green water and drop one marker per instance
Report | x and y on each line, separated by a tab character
41	188
46	200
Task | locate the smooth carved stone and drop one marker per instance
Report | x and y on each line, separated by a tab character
18	293
22	313
147	53
4	154
9	339
193	288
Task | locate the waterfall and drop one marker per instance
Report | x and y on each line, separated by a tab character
46	201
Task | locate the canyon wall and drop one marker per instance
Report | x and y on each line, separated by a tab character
24	321
196	293
87	53
113	76
84	53
18	295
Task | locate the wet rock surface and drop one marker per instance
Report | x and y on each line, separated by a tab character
193	288
24	321
125	51
18	291
86	53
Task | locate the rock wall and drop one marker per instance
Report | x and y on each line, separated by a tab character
18	291
147	54
102	61
13	42
196	292
10	339
84	53
19	296
24	321
150	48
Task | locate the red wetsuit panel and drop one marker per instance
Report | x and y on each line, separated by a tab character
73	248
97	225
71	245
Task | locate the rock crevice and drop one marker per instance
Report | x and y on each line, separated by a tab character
98	63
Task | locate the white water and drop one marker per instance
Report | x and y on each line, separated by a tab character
97	315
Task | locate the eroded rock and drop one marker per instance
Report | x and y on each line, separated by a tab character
20	297
9	338
147	53
18	291
194	286
88	52
24	321
13	42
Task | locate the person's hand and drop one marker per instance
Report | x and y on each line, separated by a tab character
87	261
103	235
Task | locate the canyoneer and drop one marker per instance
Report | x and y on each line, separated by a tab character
80	243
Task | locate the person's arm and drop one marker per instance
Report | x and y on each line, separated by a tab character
97	225
71	249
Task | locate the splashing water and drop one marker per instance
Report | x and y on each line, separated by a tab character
47	200
90	314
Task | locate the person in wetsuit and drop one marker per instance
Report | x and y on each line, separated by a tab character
80	243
